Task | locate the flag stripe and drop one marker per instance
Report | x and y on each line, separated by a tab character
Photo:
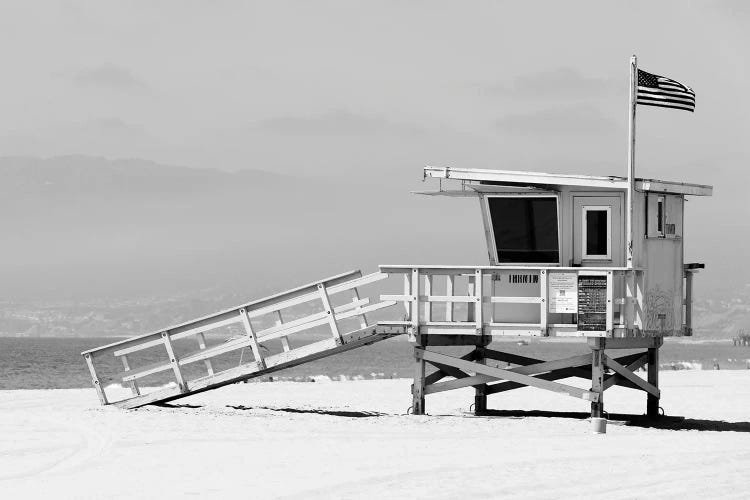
666	97
675	106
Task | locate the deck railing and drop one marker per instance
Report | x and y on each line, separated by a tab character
313	297
462	300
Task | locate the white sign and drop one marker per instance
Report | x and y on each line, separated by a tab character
563	292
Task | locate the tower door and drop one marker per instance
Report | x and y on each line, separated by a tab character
597	231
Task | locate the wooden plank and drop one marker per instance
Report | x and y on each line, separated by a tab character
330	313
362	317
418	387
627	374
479	304
447	371
508	375
314	294
133	384
449	293
610	306
597	382
235	344
543	303
652	400
550	376
94	379
200	327
431	298
514	300
252	337
427	292
175	362
336	284
632	363
414	315
202	346
323	315
354	340
284	340
306	326
548	366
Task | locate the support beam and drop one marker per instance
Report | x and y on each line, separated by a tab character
95	380
480	391
133	384
175	362
597	382
506	375
418	387
253	338
652	401
629	375
202	346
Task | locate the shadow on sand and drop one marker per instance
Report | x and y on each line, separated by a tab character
317	411
662	422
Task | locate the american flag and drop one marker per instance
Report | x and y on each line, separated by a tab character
655	90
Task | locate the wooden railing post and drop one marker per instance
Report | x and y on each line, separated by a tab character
414	304
202	346
331	314
284	340
449	293
95	380
174	361
362	317
478	301
428	292
544	302
133	384
253	339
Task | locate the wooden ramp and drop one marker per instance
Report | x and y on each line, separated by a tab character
293	319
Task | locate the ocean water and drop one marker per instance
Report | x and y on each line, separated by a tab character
51	363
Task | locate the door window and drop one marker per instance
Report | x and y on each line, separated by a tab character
597	232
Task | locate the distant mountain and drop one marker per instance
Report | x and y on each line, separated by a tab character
82	226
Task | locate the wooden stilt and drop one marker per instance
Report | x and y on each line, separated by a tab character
597	379
417	388
652	401
480	391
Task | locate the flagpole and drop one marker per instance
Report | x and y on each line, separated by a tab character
631	158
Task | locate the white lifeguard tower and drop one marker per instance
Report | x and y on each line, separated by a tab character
559	267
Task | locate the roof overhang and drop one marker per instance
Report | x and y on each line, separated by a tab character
478	180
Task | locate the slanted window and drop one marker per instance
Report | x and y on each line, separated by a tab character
525	229
597	232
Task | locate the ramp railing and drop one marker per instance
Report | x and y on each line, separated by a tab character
515	300
252	320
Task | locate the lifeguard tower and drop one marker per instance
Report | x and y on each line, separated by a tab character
560	266
595	258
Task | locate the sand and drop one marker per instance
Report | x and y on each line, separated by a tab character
352	440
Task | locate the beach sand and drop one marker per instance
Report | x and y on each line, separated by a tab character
352	440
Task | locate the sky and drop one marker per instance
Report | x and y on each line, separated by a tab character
367	93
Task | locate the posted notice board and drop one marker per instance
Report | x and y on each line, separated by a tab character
563	292
592	303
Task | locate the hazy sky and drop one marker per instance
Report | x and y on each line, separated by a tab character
375	90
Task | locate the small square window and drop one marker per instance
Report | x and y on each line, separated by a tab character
597	232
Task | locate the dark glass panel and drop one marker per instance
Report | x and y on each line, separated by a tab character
525	229
596	232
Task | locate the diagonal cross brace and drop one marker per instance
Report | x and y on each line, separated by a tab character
501	374
632	377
